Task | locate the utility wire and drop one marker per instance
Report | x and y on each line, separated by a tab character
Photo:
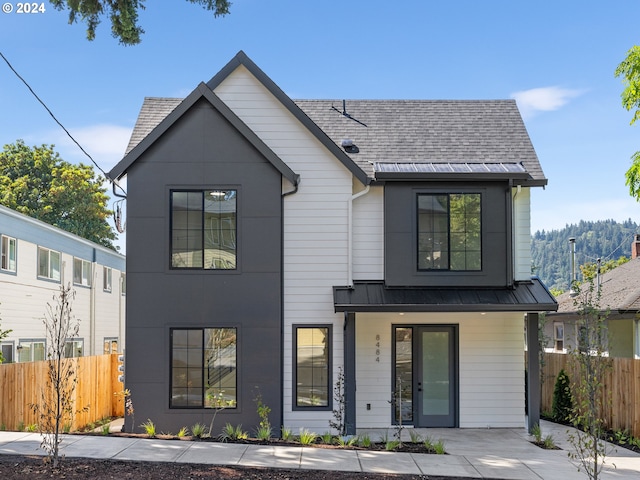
60	124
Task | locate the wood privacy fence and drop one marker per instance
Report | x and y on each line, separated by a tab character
21	384
622	381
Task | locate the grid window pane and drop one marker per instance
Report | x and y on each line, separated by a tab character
203	229
312	366
203	369
449	231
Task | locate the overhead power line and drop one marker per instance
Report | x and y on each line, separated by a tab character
59	123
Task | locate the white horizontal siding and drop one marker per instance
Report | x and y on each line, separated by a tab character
368	235
522	233
315	225
491	367
24	298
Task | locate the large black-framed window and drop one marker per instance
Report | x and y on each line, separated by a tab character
203	229
450	231
204	364
312	367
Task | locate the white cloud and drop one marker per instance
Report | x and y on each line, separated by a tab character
105	143
543	99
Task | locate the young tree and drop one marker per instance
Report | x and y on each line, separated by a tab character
37	182
55	408
591	363
123	15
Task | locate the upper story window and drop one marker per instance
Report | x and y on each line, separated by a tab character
203	229
81	272
48	264
106	279
8	248
449	231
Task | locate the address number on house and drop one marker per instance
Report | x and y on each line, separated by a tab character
378	348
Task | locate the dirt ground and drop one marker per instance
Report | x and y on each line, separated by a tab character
35	468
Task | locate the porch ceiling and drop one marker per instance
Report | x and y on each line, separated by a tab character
373	296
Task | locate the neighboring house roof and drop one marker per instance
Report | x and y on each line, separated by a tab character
374	296
451	135
24	227
620	291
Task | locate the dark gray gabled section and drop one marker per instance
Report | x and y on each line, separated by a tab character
242	59
202	91
373	296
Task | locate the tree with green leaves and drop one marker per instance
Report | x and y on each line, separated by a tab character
123	15
629	70
35	181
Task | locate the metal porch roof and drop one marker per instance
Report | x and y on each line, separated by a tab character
373	296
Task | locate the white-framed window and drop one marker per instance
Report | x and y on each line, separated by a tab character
110	345
81	272
123	283
106	279
8	249
558	336
73	348
48	264
31	350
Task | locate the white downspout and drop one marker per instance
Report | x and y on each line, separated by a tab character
361	193
92	308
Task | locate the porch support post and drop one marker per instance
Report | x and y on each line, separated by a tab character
533	371
350	372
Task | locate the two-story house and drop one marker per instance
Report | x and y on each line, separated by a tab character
36	259
275	246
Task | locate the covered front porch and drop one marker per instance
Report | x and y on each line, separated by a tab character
440	357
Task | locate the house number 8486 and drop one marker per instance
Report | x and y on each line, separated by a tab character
378	348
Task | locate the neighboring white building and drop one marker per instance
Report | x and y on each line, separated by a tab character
37	259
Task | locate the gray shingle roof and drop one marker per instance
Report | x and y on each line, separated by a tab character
419	131
453	131
152	112
620	290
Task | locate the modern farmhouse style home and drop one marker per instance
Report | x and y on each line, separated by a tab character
279	246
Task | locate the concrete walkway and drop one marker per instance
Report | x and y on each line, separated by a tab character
473	453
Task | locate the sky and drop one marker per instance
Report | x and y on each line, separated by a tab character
557	59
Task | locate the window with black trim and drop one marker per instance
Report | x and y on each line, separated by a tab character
203	229
449	231
312	366
81	272
8	253
48	264
204	368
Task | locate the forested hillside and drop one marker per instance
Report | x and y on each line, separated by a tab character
605	239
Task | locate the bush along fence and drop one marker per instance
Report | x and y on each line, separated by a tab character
622	381
94	397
